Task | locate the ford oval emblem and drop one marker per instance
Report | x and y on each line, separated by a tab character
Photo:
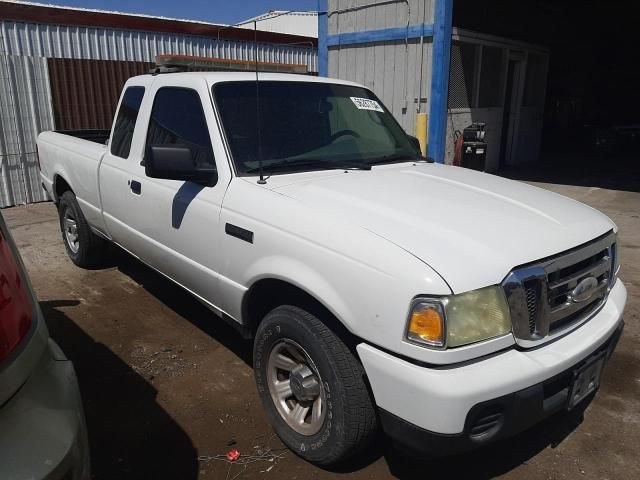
583	290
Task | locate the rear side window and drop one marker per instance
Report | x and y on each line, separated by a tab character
177	118
126	121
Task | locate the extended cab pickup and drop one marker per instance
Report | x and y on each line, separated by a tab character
448	307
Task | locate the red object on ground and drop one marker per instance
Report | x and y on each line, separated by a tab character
233	455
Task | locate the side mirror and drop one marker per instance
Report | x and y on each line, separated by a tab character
176	162
415	142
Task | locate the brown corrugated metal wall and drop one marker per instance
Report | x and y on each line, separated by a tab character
85	92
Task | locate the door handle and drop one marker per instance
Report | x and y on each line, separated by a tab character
135	186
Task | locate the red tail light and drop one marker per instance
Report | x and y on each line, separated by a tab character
16	310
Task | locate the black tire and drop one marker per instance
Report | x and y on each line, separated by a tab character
90	249
350	421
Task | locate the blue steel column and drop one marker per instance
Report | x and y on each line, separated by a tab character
323	33
442	25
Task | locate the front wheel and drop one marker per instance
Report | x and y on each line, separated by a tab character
84	247
312	387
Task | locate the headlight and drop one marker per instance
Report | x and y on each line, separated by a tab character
459	320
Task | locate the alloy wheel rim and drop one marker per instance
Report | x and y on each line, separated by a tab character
296	387
70	226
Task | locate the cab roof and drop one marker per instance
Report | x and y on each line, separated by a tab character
215	77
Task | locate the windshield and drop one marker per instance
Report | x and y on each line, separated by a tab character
308	126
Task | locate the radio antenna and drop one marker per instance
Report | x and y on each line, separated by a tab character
262	180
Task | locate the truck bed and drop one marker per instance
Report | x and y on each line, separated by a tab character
93	135
74	155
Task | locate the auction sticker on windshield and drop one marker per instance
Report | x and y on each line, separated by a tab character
366	104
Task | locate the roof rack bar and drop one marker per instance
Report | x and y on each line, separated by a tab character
191	63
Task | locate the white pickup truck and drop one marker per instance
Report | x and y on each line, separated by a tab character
447	307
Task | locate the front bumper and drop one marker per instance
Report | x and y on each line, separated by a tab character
494	419
445	401
43	427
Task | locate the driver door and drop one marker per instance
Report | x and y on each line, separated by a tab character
175	223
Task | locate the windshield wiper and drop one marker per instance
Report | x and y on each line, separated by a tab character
312	164
395	157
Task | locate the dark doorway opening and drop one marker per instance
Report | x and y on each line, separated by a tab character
591	121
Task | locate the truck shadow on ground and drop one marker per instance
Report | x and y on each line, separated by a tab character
182	303
131	436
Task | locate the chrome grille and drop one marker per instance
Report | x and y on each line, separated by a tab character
554	294
532	307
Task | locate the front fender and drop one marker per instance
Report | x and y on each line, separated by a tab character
305	278
364	280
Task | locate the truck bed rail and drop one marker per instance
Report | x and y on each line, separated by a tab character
93	135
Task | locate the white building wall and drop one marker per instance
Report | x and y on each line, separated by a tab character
25	111
62	41
281	21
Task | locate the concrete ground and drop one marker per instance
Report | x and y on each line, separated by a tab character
164	383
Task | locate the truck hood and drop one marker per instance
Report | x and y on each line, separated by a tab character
471	227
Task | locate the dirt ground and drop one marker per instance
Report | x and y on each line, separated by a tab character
165	383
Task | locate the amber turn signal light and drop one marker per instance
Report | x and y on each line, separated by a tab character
426	324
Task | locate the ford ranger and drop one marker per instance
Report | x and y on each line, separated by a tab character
445	306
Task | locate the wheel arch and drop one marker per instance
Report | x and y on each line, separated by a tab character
60	185
268	293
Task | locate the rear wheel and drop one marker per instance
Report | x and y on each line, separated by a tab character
312	387
84	247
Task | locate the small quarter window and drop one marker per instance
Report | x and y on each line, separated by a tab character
126	122
177	118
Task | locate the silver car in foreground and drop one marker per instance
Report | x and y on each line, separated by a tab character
42	426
